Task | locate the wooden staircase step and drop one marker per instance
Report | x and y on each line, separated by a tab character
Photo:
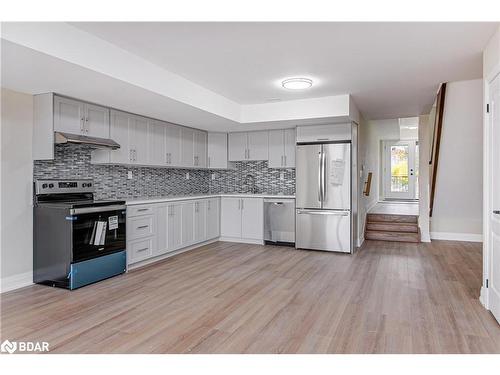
392	227
392	236
386	218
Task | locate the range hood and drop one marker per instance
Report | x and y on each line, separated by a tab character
95	142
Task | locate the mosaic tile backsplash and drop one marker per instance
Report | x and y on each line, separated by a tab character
73	161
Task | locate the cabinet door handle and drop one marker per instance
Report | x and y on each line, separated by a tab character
86	127
142	209
242	205
284	158
281	160
82	124
143	249
142	226
239	204
248	154
209	161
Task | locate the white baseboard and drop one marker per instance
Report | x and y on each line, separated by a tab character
483	297
242	240
450	236
16	281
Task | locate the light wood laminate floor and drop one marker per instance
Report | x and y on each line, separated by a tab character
234	298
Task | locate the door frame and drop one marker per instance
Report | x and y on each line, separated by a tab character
487	190
411	195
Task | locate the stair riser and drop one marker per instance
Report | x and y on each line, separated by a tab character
411	219
392	227
392	236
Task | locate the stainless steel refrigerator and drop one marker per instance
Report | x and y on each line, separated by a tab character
323	197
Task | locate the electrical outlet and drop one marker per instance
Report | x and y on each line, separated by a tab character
282	176
129	175
187	175
213	176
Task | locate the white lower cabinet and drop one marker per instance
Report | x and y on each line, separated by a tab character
159	228
242	219
213	218
174	236
156	229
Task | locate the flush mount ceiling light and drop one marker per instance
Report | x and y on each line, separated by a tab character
297	83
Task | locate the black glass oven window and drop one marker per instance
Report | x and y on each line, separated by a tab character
88	244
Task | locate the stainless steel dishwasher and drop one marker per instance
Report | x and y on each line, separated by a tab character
279	221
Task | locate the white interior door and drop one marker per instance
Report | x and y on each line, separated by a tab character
494	240
399	169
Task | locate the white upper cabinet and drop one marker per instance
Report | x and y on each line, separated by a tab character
258	145
75	117
187	147
139	140
119	132
238	146
200	149
248	146
157	154
282	148
217	151
96	121
69	116
173	144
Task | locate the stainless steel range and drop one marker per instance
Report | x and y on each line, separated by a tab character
77	240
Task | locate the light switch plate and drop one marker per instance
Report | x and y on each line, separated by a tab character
213	176
282	176
187	175
129	175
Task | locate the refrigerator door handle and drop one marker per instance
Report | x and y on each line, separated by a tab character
325	179
320	178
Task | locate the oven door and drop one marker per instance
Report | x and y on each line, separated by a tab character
97	231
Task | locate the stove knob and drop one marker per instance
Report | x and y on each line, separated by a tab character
51	186
44	186
89	185
84	185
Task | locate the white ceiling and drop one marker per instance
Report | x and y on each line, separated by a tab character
391	69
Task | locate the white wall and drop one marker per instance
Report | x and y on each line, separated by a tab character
458	199
16	190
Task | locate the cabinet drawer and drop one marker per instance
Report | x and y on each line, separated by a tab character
140	226
144	209
140	249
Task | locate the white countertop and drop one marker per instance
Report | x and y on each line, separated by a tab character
171	198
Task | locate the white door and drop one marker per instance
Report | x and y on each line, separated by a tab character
237	146
121	124
96	121
187	147
187	223
69	116
157	154
174	225
213	218
258	144
200	216
494	189
231	217
399	170
139	140
173	144
289	148
252	218
217	150
276	149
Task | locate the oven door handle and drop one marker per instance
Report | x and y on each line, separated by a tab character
88	210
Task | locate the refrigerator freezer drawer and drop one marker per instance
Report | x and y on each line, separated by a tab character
323	230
